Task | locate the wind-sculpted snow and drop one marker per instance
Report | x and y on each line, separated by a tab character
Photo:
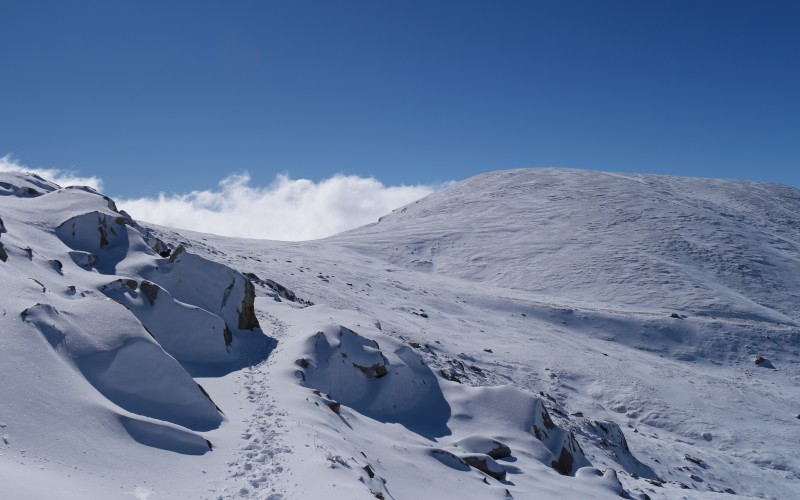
709	246
125	365
87	337
524	334
189	333
387	382
214	287
24	185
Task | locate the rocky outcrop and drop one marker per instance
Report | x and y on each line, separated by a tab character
485	445
247	314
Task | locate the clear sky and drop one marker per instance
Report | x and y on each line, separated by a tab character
175	96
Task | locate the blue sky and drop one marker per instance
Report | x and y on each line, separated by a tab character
175	96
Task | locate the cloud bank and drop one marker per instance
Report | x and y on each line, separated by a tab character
287	209
61	177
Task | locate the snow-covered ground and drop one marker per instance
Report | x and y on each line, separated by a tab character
541	333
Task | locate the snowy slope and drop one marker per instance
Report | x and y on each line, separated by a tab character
522	334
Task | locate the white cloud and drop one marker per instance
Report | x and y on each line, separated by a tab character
287	209
61	177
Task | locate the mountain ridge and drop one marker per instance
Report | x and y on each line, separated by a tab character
602	370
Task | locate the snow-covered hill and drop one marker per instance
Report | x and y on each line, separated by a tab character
523	334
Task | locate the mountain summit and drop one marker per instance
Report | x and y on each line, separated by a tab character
540	333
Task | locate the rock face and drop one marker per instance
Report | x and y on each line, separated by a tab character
247	314
214	287
485	464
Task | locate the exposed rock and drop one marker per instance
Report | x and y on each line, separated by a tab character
564	463
485	464
57	265
612	434
694	460
228	336
369	471
3	254
2	226
377	370
335	406
247	314
150	291
484	445
176	254
84	259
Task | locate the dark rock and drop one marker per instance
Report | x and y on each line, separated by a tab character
692	459
176	253
375	371
57	265
303	362
150	291
228	336
564	463
450	375
369	471
247	314
484	445
335	406
488	350
3	254
487	465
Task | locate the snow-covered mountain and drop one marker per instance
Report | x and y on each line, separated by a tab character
540	333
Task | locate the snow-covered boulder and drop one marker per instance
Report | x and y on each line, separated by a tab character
485	445
511	408
188	333
116	356
386	381
214	287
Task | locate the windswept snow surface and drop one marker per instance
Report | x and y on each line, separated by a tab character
523	334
